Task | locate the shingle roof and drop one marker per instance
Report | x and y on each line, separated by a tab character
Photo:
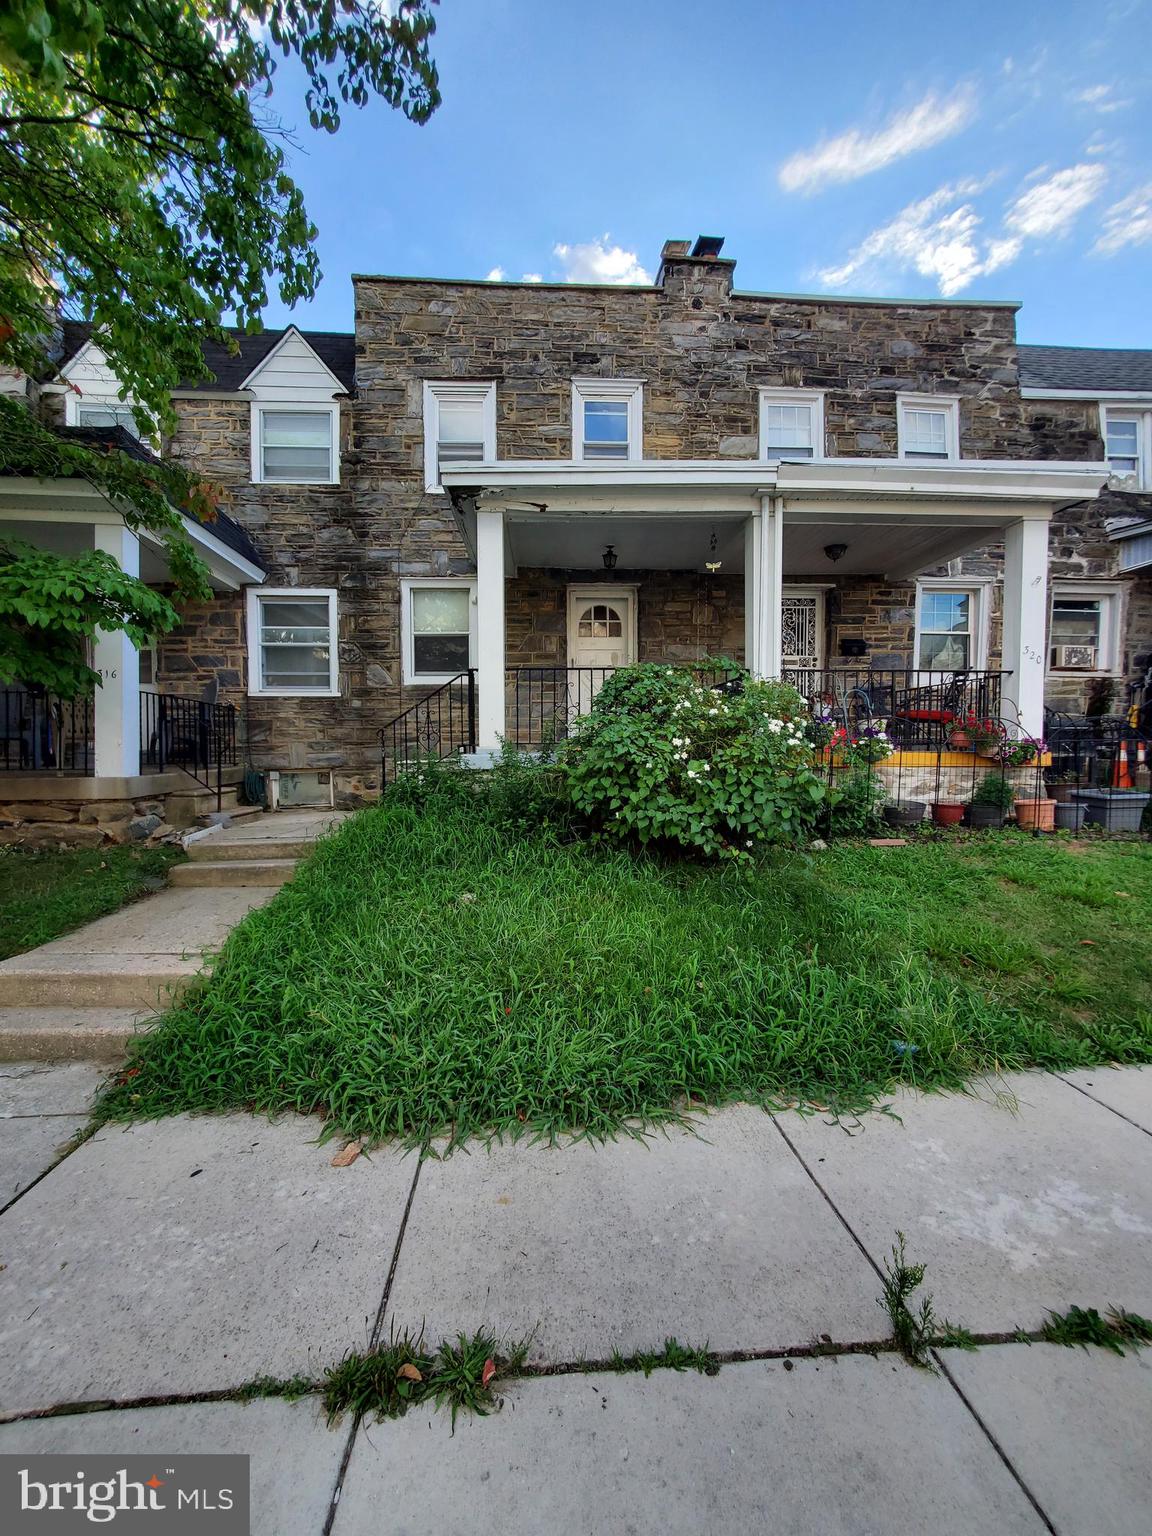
336	349
1087	368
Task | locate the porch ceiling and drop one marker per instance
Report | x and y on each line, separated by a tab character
889	549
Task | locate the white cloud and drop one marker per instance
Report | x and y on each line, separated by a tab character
936	237
1051	207
854	154
1128	222
497	275
1100	98
599	262
531	277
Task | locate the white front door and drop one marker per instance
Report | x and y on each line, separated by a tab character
601	637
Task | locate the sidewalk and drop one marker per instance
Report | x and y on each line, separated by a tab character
182	1259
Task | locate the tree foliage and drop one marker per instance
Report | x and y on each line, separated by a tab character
143	180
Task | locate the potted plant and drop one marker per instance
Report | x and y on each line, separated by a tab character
991	801
986	735
1059	784
1036	815
947	813
905	813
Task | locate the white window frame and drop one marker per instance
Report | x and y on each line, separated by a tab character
407	635
949	405
1109	594
261	408
436	390
74	404
629	390
977	592
256	596
1141	478
812	398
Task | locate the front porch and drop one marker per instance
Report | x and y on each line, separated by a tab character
585	567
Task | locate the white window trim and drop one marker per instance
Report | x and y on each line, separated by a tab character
630	390
978	589
256	596
407	587
463	389
949	404
813	398
1143	472
261	408
1110	595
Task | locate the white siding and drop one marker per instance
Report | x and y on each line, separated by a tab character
291	373
90	373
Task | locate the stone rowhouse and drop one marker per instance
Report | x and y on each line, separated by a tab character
507	476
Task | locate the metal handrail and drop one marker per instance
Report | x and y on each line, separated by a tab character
442	724
192	735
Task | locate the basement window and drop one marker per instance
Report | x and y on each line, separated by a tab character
927	427
292	642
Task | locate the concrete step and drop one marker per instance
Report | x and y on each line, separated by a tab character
141	982
70	1034
218	850
207	814
252	871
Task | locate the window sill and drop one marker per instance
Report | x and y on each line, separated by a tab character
310	484
434	680
293	693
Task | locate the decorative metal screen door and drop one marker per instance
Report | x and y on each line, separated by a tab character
801	631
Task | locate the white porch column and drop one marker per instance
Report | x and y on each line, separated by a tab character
1025	623
752	593
763	589
116	659
490	724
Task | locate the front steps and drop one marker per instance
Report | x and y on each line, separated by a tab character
69	1034
233	872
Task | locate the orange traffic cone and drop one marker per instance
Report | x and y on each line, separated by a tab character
1121	777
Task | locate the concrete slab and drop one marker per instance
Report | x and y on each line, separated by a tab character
1012	1212
294	1457
173	922
279	826
1074	1424
228	872
55	1035
831	1448
28	1147
1127	1090
190	1254
47	1088
140	983
718	1239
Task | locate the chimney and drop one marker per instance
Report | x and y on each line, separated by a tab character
699	275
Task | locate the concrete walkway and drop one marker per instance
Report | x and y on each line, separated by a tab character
85	995
181	1259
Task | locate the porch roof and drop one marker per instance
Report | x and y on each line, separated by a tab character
896	517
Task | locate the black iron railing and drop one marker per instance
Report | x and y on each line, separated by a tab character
542	703
921	709
441	724
192	735
41	733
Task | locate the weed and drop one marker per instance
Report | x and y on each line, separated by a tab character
1084	1326
396	1376
913	1332
289	1387
673	1357
461	1377
950	1336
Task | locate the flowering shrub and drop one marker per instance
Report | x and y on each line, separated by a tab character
663	757
984	731
1016	754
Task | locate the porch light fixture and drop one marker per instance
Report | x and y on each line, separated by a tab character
835	551
609	557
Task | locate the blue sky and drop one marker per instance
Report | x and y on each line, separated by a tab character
986	150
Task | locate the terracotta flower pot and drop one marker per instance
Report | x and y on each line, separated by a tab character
947	813
959	740
1061	793
1036	815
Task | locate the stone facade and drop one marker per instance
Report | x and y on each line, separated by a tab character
703	351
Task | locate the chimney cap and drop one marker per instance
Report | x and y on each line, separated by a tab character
707	246
673	249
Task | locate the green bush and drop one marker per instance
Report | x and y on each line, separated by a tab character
994	789
855	799
663	757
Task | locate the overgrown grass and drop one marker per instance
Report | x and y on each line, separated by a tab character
386	1381
431	973
43	895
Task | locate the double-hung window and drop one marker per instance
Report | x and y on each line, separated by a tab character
294	446
791	424
927	427
292	641
949	634
459	426
107	413
437	629
1083	633
607	419
1128	436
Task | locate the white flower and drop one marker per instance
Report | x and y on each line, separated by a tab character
748	844
692	774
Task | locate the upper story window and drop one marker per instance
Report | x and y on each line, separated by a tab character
459	427
607	419
295	445
928	427
107	413
791	424
1128	436
292	641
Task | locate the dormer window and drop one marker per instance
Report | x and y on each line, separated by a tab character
791	424
107	413
927	427
607	419
459	427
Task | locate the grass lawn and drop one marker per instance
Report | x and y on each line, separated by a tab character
43	895
426	972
